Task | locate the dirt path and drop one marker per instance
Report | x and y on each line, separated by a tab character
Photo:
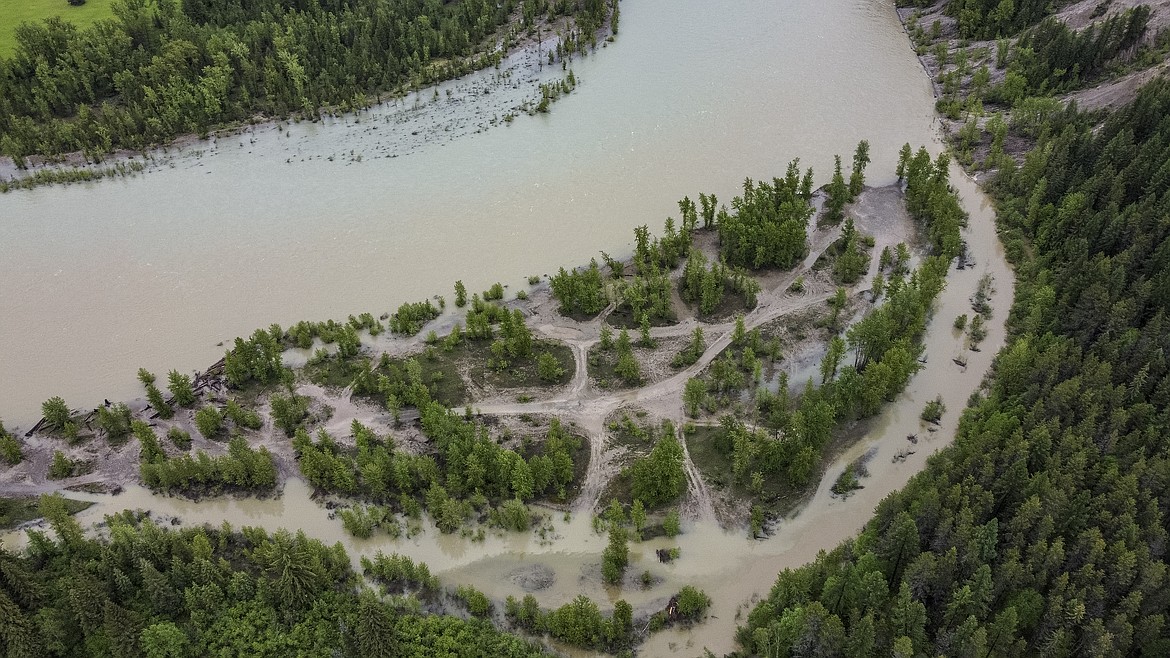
701	502
589	407
601	464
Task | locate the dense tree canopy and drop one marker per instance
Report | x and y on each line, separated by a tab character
1042	531
150	591
769	223
161	69
989	19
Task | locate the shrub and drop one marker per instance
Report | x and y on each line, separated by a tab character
10	450
460	294
56	412
180	387
151	451
180	438
244	418
513	515
157	402
659	478
606	337
475	601
671	524
496	292
977	331
209	421
934	410
399	572
62	466
359	521
410	318
627	368
692	603
548	367
115	421
616	556
288	411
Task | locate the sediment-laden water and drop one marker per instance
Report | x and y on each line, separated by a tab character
99	279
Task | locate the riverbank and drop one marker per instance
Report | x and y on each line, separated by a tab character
581	405
223	243
390	124
582	401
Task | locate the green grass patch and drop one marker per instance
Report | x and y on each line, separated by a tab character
521	373
15	12
620	488
631	431
334	371
778	496
14	511
710	451
622	317
714	464
731	305
602	366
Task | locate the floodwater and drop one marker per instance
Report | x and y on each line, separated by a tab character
154	271
99	279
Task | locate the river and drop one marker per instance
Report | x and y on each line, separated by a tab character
97	280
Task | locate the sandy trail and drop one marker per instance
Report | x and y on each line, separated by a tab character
701	501
590	408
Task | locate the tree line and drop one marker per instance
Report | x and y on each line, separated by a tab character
1042	530
990	19
144	590
1051	58
766	228
158	70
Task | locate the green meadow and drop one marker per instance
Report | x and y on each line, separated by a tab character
15	12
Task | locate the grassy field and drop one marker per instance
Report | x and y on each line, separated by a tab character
15	12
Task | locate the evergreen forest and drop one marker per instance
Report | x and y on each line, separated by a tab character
1042	531
161	69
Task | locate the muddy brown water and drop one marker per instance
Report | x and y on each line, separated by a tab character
99	279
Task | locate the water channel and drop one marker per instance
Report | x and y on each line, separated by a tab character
154	271
97	280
